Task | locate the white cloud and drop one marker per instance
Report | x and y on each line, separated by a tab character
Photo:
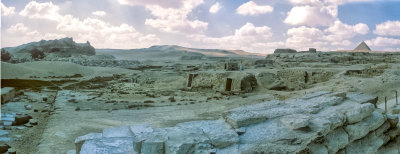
251	8
334	37
6	11
384	42
100	33
18	34
311	15
99	13
388	28
340	31
248	38
215	8
45	10
176	20
17	28
163	3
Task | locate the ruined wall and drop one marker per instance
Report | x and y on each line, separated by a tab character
241	81
321	122
302	79
335	57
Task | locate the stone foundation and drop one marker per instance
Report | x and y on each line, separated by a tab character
321	122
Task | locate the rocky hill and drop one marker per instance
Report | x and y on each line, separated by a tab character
65	47
173	52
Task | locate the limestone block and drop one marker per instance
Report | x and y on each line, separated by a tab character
140	131
244	118
317	149
360	129
336	140
362	98
359	113
81	139
155	143
382	129
295	121
220	133
367	145
184	139
115	145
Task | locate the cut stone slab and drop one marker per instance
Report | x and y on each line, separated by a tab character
120	145
220	133
359	113
336	140
360	129
139	131
81	139
295	121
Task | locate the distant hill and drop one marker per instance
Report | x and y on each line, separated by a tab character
173	52
64	47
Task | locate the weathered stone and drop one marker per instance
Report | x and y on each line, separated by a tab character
139	131
369	144
11	151
360	129
28	107
295	121
336	140
108	145
81	139
359	113
33	121
240	119
318	149
220	134
155	143
393	119
22	119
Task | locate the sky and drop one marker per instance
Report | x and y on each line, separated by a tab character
258	26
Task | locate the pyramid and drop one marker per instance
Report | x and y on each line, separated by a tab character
362	47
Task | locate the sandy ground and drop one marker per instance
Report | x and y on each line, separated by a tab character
62	127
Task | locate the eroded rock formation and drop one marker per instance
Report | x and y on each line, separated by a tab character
322	122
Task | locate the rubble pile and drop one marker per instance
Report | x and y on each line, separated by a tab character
322	122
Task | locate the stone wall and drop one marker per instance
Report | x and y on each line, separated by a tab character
321	122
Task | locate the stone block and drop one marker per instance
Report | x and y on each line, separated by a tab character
295	121
360	129
336	140
81	139
359	113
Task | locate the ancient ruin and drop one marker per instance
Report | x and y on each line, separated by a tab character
200	77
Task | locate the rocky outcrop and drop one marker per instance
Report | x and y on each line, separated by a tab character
64	47
322	122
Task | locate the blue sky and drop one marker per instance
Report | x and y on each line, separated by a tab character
255	26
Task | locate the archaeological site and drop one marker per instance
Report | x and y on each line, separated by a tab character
200	77
198	101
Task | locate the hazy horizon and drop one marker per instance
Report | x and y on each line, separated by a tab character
253	26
